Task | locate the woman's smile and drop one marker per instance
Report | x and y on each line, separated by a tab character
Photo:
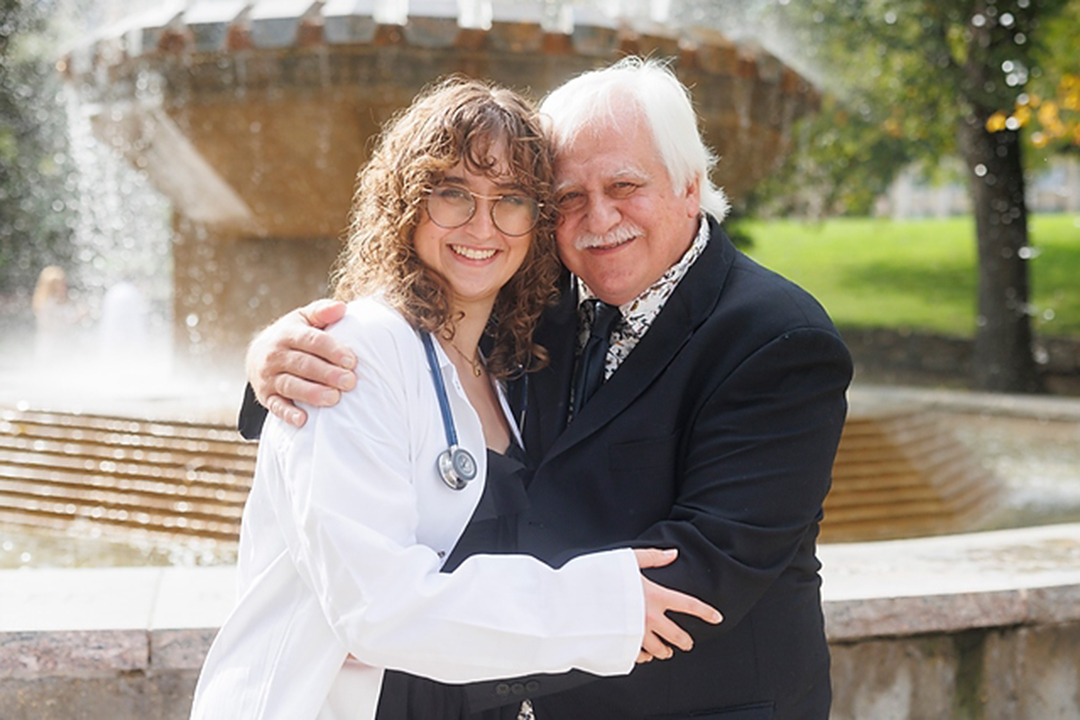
472	253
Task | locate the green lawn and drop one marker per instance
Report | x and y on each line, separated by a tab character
917	274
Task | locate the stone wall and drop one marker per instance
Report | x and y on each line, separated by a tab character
1015	672
884	356
983	626
1007	673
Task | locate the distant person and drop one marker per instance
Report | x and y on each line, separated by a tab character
56	318
352	519
124	327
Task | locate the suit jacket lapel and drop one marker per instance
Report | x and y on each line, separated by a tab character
549	389
690	305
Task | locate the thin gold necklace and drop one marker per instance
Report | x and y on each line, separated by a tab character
477	365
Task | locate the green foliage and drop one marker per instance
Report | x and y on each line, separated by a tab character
35	225
843	163
902	76
916	274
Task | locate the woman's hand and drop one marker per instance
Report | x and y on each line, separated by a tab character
661	632
294	359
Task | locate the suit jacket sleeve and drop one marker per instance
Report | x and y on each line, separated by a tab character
756	466
252	416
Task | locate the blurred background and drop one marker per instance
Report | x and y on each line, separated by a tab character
184	170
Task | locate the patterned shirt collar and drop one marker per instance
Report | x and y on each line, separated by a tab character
639	313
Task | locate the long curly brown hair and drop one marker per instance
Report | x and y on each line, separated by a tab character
455	120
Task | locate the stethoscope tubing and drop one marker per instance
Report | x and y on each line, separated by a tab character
455	465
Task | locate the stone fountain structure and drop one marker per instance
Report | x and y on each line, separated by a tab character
253	117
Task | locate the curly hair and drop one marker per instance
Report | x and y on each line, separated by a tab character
455	120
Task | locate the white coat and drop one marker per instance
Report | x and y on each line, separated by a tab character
344	534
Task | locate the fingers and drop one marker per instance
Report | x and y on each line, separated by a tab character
690	605
656	648
666	634
296	389
643	657
285	410
662	634
318	343
298	361
653	557
323	313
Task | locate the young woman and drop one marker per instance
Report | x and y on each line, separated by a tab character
351	518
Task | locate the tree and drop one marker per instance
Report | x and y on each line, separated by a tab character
923	78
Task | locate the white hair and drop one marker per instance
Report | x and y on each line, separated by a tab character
651	88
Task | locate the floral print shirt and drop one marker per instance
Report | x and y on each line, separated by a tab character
639	313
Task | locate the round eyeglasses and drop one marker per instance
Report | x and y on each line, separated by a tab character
451	207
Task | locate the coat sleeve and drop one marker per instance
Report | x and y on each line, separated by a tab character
757	469
252	416
757	466
348	508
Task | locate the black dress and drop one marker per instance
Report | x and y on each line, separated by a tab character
490	530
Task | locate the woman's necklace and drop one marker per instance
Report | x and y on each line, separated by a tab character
477	365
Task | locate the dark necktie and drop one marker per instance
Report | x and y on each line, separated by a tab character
590	372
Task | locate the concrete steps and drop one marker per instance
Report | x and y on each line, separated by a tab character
902	473
164	478
898	473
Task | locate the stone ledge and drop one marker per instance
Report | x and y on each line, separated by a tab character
31	655
951	583
100	622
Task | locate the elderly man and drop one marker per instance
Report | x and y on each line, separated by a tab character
693	400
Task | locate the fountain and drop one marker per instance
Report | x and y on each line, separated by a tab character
252	118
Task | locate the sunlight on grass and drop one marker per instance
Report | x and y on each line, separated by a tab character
917	274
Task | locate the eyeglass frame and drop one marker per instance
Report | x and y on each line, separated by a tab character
491	210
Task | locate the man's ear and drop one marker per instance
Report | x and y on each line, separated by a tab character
693	197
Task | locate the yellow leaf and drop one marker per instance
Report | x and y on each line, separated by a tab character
1023	115
996	122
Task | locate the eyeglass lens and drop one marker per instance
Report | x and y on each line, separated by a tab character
452	207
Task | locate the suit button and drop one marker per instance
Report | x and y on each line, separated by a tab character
532	686
502	689
517	689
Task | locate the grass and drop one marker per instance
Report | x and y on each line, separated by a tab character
916	274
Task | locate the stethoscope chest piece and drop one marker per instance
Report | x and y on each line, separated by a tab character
457	467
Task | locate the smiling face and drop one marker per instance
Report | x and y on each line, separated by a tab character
476	259
623	224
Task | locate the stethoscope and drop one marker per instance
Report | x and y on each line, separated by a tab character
455	464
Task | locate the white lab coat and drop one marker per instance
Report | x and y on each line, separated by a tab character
343	536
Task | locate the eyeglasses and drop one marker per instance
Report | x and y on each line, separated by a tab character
451	207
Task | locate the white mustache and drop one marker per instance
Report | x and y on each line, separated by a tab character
618	234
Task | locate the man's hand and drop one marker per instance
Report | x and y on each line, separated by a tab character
661	632
294	359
